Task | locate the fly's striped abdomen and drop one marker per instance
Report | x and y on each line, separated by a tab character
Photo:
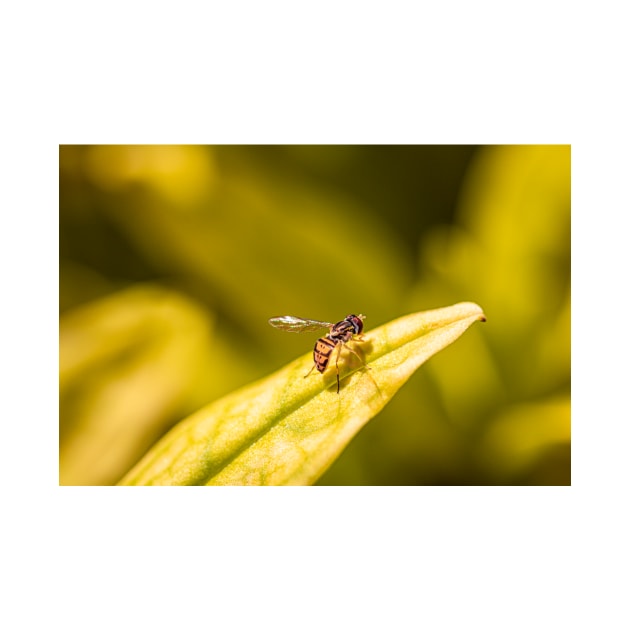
322	351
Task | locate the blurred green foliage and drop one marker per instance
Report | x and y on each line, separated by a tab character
172	258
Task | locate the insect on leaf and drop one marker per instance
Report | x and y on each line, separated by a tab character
287	429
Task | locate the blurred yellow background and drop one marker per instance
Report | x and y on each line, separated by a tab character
173	258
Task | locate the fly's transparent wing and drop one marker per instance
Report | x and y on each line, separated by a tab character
297	324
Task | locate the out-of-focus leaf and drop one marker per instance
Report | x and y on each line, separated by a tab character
511	246
515	233
286	429
522	434
128	363
257	241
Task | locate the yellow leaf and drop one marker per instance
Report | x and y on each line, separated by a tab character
287	429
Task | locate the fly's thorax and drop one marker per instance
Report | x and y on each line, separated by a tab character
346	328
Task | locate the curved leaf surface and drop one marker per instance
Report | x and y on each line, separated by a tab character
287	429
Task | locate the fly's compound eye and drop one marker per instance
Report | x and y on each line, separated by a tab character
357	323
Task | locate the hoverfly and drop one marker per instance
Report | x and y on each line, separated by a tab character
348	329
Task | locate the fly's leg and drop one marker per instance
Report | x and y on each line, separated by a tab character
356	354
309	372
337	362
